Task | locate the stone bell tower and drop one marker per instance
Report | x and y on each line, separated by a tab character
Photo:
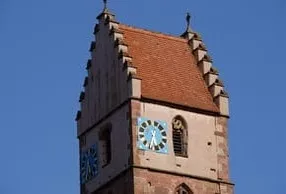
153	115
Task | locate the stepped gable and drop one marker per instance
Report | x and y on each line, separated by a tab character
168	68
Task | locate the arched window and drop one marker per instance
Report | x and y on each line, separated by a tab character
180	136
183	189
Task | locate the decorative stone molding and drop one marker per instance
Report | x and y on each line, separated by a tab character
110	19
204	66
199	54
85	83
188	35
116	33
105	19
127	64
194	43
96	29
129	68
216	87
78	115
200	46
124	55
133	82
134	86
115	30
197	36
214	70
111	22
207	58
81	96
105	13
92	46
222	101
209	73
210	78
119	43
88	64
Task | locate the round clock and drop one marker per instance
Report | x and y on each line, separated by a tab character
88	164
152	135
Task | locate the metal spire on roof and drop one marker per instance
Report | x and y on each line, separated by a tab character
188	18
105	10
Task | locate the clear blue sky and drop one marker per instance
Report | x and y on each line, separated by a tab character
43	51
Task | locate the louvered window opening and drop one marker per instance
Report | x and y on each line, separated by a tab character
178	142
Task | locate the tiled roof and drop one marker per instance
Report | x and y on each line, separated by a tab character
167	68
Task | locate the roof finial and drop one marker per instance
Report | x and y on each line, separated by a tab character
105	5
188	18
105	12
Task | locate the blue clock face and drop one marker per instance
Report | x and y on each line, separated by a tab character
152	135
88	164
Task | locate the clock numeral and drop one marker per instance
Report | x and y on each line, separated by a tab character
161	145
149	122
157	148
145	142
156	123
161	128
144	125
141	130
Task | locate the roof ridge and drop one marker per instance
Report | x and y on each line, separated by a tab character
151	32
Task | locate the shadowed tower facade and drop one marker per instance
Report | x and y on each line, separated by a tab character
153	114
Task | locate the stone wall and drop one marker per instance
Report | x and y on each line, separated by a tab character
202	143
122	184
146	181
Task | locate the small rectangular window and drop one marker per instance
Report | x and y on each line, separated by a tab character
105	146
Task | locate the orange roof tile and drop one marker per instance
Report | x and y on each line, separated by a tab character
167	68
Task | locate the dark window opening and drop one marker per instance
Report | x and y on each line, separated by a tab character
105	145
183	189
180	138
178	141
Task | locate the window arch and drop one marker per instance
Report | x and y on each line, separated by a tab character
183	189
180	136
